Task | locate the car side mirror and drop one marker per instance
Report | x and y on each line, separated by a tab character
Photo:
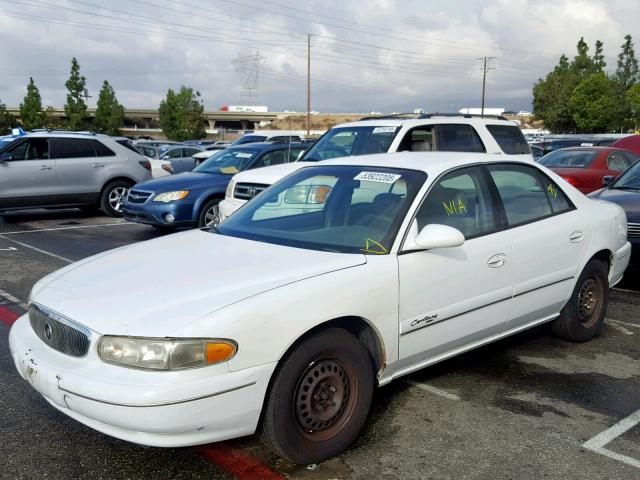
164	157
607	179
6	159
433	236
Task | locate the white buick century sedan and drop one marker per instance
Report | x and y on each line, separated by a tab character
285	319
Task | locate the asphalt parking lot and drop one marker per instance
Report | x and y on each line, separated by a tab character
530	406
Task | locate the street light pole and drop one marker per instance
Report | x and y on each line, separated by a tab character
308	84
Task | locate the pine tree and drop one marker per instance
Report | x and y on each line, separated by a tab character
582	64
75	108
627	72
31	115
182	115
109	113
598	58
6	120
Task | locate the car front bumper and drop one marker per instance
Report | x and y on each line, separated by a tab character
161	409
227	206
619	263
154	213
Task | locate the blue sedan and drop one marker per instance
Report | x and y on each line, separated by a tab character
191	199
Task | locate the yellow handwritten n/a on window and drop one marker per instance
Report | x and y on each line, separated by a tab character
453	208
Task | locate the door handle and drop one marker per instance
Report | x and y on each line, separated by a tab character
97	165
576	236
45	167
497	260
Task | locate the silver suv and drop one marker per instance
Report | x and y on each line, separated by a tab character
67	169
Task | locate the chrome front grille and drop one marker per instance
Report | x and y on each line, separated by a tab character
246	191
633	230
138	197
59	333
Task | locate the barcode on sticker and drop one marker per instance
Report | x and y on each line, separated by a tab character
377	177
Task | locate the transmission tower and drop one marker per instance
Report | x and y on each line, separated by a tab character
249	65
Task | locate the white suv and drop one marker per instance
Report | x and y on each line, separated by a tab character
455	133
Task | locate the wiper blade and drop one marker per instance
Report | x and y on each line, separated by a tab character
625	188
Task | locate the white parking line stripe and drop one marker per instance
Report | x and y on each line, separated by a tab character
13	299
432	389
597	443
626	324
59	257
17	232
617	326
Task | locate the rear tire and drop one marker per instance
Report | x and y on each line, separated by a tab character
583	316
113	196
319	398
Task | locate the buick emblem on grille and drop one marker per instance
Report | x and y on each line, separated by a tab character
48	333
251	191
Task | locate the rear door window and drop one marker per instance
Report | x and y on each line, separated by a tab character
74	148
510	139
102	150
458	138
524	195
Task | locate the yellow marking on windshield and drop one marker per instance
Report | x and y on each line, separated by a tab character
553	191
371	246
229	170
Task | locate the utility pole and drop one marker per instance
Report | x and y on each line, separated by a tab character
308	84
484	79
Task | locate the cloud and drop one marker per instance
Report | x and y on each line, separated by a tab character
382	55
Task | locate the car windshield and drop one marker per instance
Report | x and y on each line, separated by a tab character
568	158
227	162
344	209
249	139
630	178
347	141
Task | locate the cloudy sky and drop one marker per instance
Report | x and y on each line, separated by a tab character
367	55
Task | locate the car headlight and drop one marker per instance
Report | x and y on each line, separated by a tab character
230	187
167	197
165	353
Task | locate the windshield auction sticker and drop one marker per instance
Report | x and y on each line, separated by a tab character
383	130
380	177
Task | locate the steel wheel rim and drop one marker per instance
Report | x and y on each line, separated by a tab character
212	217
589	302
324	399
116	196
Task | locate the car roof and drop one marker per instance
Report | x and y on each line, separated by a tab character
262	146
61	134
594	148
428	162
413	122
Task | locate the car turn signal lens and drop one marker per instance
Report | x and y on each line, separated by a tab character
219	352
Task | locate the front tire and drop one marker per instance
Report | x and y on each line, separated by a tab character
319	398
113	196
583	316
210	214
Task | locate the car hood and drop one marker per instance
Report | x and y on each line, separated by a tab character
155	288
627	199
270	175
183	181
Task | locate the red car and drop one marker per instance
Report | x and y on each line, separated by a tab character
586	167
632	143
